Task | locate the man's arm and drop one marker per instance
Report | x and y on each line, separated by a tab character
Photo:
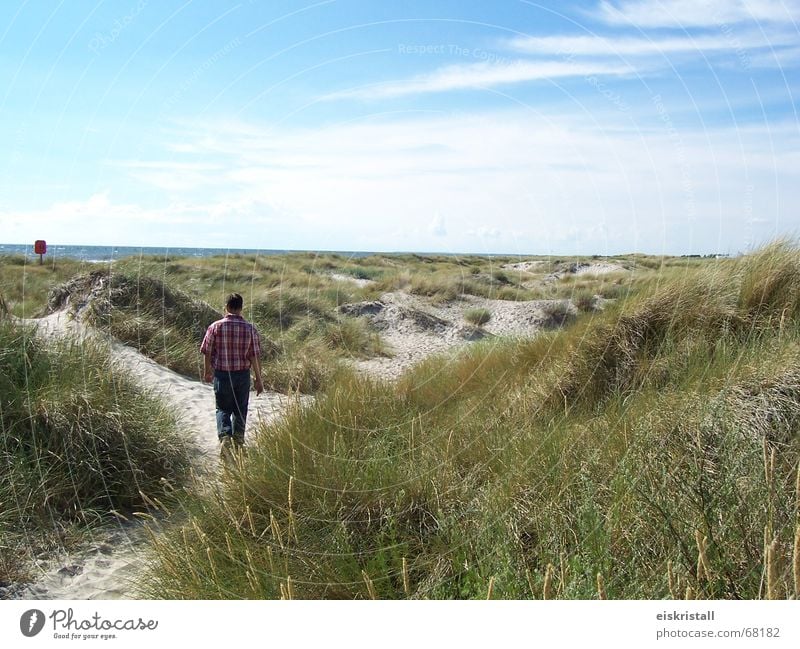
208	371
206	349
256	364
255	359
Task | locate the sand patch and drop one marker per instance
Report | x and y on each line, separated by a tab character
526	266
600	268
358	281
415	329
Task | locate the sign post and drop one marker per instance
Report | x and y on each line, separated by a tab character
40	248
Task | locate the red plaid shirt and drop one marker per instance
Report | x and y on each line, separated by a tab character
232	342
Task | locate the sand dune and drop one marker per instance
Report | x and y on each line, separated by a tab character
106	566
413	328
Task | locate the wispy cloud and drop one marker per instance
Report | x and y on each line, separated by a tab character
482	76
696	13
167	165
437	227
643	185
626	46
754	30
115	221
784	57
508	181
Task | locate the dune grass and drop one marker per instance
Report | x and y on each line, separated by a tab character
160	305
448	284
163	322
26	284
652	448
163	306
77	440
478	317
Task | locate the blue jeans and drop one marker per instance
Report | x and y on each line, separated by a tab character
232	394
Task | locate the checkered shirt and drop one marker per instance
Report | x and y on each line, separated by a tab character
232	342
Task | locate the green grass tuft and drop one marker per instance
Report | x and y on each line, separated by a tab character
478	317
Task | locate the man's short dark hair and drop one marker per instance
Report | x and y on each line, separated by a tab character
235	302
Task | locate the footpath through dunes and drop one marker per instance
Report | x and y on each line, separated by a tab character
106	566
151	331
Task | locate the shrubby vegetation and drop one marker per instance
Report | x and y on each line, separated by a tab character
648	451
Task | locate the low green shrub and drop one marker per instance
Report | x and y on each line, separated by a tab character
478	317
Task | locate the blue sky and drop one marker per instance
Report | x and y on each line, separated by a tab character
456	126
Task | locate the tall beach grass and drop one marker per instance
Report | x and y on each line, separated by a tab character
78	440
649	451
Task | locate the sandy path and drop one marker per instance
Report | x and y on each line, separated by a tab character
105	567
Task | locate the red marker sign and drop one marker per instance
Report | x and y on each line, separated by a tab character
40	248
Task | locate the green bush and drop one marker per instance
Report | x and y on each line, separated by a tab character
557	313
478	317
585	301
161	321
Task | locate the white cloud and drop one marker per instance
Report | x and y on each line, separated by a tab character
510	181
169	165
478	76
485	232
786	57
438	228
517	181
697	13
169	175
100	220
625	46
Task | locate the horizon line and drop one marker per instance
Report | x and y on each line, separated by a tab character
226	250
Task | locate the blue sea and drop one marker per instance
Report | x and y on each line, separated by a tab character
110	253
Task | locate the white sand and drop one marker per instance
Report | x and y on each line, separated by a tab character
360	282
525	266
412	339
104	568
599	268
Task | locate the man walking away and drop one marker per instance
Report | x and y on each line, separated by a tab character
231	347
